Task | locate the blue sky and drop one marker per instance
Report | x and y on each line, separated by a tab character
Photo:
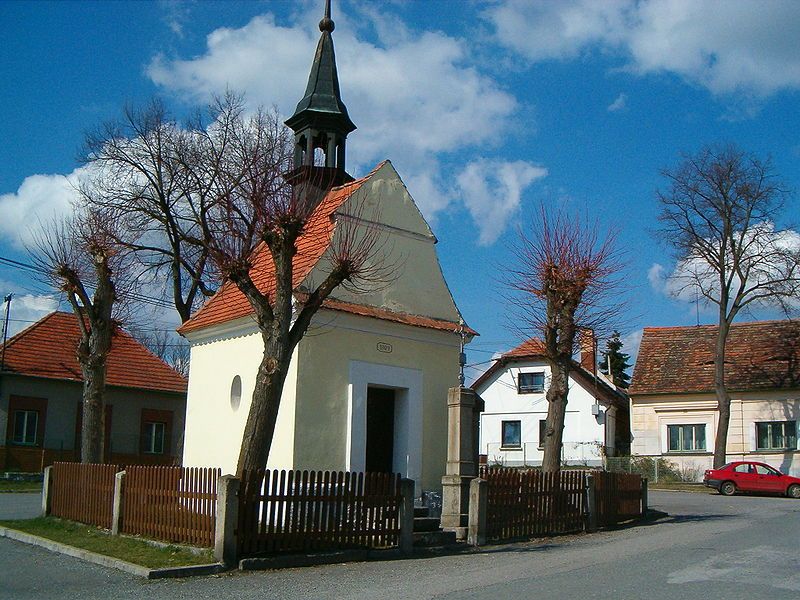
487	109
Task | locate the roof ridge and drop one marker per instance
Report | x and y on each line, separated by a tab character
711	326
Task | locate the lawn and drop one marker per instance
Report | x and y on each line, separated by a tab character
7	485
96	540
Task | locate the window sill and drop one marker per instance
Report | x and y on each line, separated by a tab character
687	453
773	451
510	447
528	392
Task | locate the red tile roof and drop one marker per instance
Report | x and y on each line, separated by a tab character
229	303
533	349
759	355
48	349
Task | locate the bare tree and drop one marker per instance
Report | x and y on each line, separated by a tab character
255	209
167	346
564	282
77	256
139	170
719	214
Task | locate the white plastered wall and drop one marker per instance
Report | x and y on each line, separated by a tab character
651	414
214	427
584	433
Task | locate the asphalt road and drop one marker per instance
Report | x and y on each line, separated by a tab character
710	546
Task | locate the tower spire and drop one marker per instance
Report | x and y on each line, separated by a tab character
320	122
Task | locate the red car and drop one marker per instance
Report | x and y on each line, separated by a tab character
746	476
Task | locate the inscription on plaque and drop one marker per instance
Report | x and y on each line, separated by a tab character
384	347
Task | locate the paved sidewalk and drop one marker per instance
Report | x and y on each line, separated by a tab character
20	505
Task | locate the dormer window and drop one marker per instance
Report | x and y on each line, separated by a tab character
530	383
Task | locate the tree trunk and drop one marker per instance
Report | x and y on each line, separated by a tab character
259	431
92	355
93	424
556	413
723	399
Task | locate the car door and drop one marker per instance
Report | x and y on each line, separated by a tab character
768	479
744	476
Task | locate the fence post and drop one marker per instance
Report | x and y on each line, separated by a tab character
644	496
407	516
478	495
47	490
656	477
591	503
116	514
225	547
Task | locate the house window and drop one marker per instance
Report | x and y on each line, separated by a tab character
687	438
512	434
530	383
26	424
776	435
156	430
153	442
542	429
26	420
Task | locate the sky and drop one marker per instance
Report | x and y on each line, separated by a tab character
489	110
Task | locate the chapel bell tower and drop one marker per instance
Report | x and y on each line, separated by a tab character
320	122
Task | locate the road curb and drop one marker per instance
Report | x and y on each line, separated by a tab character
313	559
108	561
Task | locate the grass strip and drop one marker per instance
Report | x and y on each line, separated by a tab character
133	550
20	486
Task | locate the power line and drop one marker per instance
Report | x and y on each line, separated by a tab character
159	302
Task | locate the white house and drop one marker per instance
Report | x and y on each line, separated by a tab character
367	386
674	408
512	424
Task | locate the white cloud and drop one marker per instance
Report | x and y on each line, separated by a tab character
619	104
770	253
415	97
655	275
492	191
631	343
731	47
39	198
26	309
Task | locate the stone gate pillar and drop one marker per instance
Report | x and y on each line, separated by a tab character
464	407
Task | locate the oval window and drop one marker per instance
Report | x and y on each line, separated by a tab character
236	392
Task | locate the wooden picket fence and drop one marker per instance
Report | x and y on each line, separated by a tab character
298	511
83	492
173	504
531	503
618	496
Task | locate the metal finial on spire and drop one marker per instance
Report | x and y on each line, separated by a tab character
327	24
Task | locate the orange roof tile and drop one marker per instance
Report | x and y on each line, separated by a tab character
48	349
229	303
759	355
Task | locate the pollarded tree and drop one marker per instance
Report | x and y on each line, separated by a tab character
79	257
255	210
719	214
617	360
564	281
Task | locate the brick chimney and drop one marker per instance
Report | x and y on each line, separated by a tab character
588	349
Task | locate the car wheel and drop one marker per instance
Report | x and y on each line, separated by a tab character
793	491
727	489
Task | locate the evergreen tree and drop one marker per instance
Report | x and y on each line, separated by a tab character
618	359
